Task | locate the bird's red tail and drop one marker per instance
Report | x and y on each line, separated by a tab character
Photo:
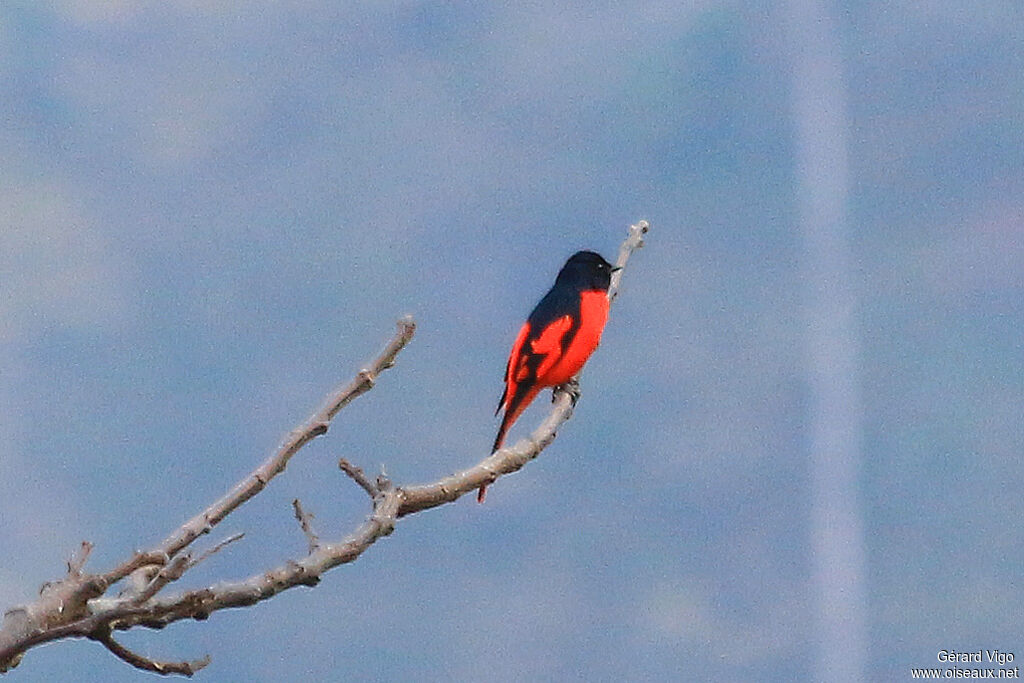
517	404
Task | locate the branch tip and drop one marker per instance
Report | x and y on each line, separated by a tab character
217	548
189	669
305	520
383	480
78	559
357	475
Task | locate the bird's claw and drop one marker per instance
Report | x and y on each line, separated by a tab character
572	388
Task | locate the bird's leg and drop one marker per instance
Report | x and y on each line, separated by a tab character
572	387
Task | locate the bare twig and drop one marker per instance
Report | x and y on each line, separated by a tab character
145	663
78	559
217	548
632	243
358	476
306	522
73	607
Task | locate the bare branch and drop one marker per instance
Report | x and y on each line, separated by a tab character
217	548
504	461
306	522
358	476
632	243
78	559
145	663
63	608
74	607
199	604
313	427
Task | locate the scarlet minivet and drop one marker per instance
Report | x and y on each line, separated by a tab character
558	337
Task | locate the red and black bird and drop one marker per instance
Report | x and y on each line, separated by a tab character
558	337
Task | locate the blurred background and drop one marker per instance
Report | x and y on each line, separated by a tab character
797	454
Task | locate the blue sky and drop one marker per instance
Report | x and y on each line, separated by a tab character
209	217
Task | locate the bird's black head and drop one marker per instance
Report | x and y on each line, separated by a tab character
586	270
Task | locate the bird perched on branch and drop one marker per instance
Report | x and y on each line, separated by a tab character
558	337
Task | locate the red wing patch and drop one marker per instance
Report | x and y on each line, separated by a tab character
549	344
515	368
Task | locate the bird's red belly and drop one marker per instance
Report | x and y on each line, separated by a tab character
593	316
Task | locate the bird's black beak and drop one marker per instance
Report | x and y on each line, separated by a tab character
616	269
